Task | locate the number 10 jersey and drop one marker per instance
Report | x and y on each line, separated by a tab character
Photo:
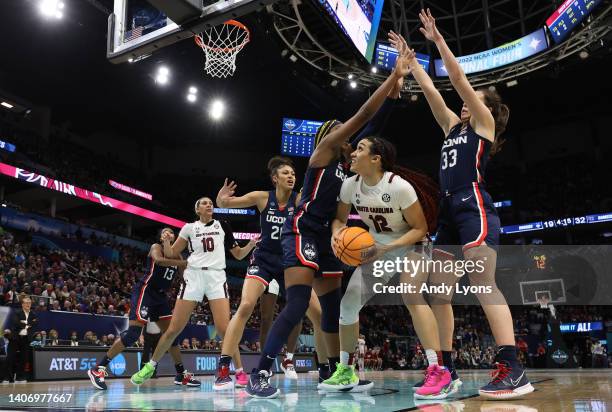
207	243
381	206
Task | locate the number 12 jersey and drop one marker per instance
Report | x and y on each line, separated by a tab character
381	206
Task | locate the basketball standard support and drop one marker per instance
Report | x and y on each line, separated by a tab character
186	17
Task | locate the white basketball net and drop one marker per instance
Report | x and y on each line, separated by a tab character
221	44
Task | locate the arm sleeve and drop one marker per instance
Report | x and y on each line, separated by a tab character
405	193
346	191
184	233
229	240
376	124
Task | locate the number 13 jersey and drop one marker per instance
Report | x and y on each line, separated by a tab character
207	243
381	206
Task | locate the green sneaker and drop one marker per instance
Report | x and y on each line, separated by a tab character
143	375
343	379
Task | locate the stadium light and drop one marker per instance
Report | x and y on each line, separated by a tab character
353	84
374	69
216	110
583	54
512	83
7	105
163	75
51	8
192	95
350	76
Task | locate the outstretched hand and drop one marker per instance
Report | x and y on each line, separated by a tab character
227	191
429	29
399	43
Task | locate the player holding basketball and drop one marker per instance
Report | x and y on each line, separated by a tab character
275	206
307	256
149	303
208	239
387	202
467	215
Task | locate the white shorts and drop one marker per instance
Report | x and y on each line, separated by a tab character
198	283
273	287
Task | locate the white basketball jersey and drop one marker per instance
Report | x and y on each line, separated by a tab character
362	346
380	206
207	243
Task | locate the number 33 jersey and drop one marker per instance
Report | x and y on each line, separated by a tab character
207	243
381	206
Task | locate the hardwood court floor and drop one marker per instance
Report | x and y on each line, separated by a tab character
556	390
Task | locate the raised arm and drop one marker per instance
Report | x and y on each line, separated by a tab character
226	198
160	260
325	151
444	116
479	112
376	124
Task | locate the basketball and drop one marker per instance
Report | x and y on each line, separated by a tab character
352	243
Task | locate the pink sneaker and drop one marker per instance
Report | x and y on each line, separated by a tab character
242	379
438	383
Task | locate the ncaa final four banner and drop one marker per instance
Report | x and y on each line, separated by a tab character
73	363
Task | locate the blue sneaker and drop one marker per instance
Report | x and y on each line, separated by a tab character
259	385
507	382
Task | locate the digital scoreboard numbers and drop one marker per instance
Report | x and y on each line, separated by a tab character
386	56
569	15
298	136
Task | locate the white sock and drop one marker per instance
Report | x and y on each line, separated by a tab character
153	363
432	356
239	370
344	357
289	356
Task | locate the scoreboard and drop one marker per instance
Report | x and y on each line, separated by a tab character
298	136
386	56
569	15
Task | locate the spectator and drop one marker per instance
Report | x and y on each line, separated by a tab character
53	338
7	357
74	339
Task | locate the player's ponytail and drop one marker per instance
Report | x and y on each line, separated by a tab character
426	188
276	163
501	114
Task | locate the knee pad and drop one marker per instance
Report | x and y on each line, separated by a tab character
298	298
330	308
130	335
350	306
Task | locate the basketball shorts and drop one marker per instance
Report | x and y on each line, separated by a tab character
199	283
267	268
148	304
308	244
467	219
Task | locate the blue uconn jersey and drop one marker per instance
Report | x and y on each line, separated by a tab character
321	190
271	221
463	159
158	277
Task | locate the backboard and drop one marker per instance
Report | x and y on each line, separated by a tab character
553	289
138	28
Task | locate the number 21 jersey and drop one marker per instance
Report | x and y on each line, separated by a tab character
380	206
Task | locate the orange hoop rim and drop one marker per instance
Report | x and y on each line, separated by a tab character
198	38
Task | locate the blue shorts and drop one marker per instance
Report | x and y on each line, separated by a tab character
308	244
148	304
265	266
468	219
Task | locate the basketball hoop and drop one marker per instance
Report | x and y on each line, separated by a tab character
221	44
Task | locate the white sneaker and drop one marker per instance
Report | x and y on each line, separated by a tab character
289	369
